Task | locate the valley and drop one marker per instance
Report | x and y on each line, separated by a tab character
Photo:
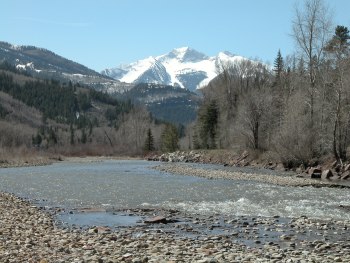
177	154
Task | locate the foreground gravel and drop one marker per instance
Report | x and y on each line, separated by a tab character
28	234
230	175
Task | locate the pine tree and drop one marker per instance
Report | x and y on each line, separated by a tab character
342	34
170	138
195	140
149	143
52	137
71	134
83	136
339	43
36	140
278	66
209	122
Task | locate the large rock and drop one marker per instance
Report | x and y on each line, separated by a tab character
326	174
315	173
345	175
347	168
156	220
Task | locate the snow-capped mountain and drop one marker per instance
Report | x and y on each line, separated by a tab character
184	67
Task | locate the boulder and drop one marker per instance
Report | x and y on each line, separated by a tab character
156	220
326	174
315	172
347	168
345	175
103	230
335	177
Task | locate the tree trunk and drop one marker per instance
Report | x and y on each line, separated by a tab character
256	135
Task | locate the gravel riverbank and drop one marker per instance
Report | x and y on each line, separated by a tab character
289	180
28	234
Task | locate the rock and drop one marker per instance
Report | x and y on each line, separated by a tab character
315	173
103	230
347	167
335	177
345	175
93	230
127	255
326	174
156	220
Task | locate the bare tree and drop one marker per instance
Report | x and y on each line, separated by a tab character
311	30
338	51
254	111
131	134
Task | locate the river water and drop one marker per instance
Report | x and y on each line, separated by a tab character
132	183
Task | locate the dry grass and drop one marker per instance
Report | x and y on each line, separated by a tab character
22	156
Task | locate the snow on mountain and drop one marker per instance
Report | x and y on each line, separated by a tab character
183	67
42	63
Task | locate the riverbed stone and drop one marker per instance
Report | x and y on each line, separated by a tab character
28	234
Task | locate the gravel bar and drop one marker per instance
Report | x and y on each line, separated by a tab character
29	234
283	180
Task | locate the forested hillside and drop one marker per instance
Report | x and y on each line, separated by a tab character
165	102
46	115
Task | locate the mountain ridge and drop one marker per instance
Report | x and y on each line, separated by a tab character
184	67
164	102
43	63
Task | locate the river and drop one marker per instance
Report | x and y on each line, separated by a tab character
132	183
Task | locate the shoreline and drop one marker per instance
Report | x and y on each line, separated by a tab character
28	233
281	180
48	161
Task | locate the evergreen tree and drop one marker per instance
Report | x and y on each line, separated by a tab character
339	43
36	140
342	34
52	137
196	143
3	111
149	143
169	138
278	66
209	122
71	134
83	136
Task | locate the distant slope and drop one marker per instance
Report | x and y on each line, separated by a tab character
173	104
46	114
183	67
43	63
167	103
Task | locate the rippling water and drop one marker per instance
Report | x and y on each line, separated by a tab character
123	184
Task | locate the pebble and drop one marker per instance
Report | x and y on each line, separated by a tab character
230	175
28	234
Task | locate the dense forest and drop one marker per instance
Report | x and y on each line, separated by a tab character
299	111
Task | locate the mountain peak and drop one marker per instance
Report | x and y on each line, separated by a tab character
181	50
186	54
226	53
184	67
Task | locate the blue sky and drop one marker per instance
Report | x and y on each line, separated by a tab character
105	33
